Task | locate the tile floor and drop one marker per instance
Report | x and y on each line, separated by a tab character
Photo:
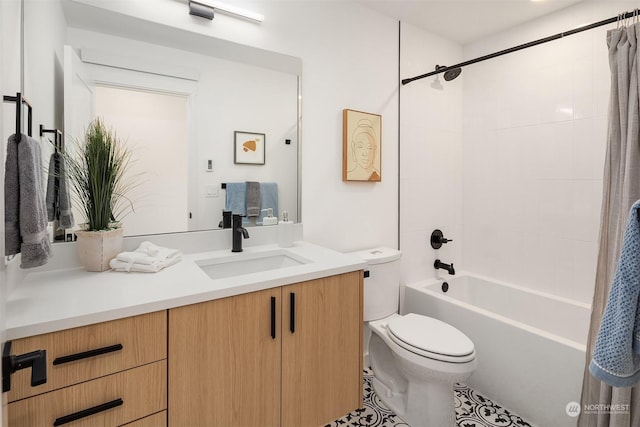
472	410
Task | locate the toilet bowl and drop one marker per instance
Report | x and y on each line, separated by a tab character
415	359
414	373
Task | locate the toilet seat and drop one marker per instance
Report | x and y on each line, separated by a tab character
430	338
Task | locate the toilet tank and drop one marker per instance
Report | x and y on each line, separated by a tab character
382	287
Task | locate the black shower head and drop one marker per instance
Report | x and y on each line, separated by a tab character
451	74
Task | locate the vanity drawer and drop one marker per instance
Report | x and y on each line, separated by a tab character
88	352
155	420
132	394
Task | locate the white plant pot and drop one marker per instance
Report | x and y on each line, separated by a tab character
97	248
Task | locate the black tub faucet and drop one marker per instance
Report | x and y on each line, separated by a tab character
449	267
238	232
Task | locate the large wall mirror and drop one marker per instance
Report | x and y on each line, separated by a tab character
195	110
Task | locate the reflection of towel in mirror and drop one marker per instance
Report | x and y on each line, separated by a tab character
253	199
236	197
52	187
25	209
58	200
269	199
147	258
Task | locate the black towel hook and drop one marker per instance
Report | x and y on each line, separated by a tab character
19	99
58	134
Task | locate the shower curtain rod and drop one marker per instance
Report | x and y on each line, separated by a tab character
440	70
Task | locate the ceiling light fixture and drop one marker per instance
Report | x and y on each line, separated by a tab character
201	10
228	9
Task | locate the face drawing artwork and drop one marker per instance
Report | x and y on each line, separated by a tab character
364	147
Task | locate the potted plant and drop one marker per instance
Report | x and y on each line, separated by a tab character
96	171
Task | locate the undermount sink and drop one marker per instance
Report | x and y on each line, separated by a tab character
247	263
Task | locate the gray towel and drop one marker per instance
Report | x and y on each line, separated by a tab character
64	201
25	209
253	199
11	199
58	200
52	188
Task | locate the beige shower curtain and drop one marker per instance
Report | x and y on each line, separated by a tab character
602	405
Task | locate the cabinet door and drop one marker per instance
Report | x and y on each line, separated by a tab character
321	350
224	364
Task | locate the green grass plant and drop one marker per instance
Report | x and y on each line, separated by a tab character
96	170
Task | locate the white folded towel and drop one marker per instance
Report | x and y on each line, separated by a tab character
147	258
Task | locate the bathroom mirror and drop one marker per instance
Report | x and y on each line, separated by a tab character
196	110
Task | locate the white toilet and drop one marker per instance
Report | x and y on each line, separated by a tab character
415	359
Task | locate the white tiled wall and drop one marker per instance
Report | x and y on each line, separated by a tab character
533	151
430	155
508	158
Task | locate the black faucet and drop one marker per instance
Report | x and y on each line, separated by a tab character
442	265
238	232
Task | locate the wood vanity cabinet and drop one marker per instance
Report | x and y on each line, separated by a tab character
288	356
108	374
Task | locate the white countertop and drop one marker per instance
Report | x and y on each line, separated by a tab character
48	301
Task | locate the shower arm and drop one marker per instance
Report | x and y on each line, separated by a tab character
440	70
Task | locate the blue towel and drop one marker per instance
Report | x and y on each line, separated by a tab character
236	197
269	198
616	358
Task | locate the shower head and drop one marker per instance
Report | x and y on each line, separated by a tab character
451	74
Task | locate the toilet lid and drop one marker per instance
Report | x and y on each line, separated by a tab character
417	332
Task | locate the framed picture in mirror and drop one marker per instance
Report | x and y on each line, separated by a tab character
249	148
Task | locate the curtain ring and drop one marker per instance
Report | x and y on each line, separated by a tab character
619	21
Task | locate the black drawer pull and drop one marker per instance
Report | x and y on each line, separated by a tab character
273	317
292	320
87	354
87	412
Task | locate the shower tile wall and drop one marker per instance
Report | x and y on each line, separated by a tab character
508	158
430	152
533	154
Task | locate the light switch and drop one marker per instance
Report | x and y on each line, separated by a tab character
210	191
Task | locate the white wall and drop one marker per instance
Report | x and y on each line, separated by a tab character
430	155
349	55
9	84
44	37
534	143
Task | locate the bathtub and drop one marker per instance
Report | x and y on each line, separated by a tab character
530	345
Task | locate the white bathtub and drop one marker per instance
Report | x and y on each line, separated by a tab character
530	345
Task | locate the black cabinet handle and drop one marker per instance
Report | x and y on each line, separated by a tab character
87	412
87	354
292	312
273	317
36	360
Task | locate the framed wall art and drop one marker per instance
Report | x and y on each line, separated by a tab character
362	146
249	148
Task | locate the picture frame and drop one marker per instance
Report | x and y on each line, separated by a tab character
362	146
249	148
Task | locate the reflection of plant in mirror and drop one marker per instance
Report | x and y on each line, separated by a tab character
96	168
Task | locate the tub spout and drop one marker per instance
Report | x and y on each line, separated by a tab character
449	267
